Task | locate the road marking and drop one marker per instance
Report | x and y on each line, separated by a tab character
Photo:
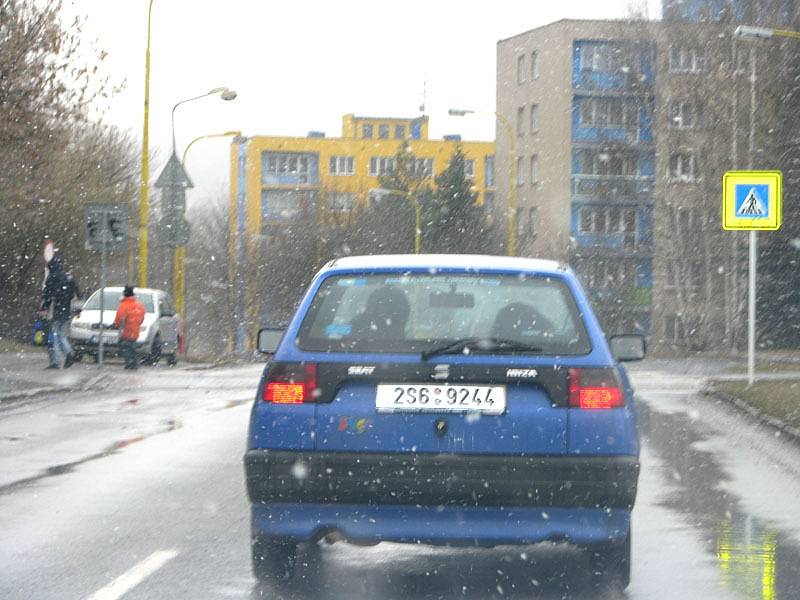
134	576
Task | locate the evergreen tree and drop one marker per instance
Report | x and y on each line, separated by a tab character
452	222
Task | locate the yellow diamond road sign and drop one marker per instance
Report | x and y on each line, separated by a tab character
751	200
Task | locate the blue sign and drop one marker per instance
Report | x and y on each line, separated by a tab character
752	201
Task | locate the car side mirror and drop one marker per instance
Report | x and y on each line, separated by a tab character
628	347
268	339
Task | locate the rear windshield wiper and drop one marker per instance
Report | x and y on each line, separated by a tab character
481	344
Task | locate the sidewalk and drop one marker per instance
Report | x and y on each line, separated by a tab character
23	375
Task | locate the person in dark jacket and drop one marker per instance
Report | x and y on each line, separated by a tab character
59	290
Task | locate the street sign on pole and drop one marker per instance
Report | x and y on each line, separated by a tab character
106	231
751	201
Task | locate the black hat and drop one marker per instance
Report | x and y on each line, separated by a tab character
128	291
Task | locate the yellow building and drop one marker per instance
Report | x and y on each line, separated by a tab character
274	179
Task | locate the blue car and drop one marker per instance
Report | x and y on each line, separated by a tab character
454	400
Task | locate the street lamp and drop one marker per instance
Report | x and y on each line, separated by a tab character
179	257
512	173
750	32
417	212
205	137
226	94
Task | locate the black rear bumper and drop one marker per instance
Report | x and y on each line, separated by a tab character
441	479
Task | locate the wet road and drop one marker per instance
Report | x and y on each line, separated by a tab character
136	491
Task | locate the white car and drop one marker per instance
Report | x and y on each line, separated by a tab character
159	335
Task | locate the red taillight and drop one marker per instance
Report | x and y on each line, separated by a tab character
291	384
594	389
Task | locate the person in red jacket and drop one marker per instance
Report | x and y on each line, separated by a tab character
128	320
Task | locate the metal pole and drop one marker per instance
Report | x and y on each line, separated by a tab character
102	288
512	189
417	224
751	278
751	309
143	186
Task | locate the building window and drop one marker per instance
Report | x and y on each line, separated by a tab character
488	201
381	165
383	131
534	169
595	162
600	57
521	69
534	118
520	171
342	202
608	112
534	65
683	114
289	167
520	120
686	59
422	167
586	220
399	132
469	168
607	219
673	328
366	131
488	171
533	222
683	167
342	165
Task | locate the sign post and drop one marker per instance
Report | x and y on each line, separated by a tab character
174	230
751	201
107	231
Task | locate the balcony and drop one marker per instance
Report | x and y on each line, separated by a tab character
626	244
613	187
632	82
619	135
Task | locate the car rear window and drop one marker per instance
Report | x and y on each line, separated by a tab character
111	300
396	312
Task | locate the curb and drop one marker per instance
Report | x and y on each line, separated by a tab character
792	432
82	386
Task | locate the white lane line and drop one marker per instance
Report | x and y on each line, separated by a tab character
134	576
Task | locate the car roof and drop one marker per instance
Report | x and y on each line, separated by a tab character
136	290
447	261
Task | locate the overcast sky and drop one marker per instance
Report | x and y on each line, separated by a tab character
299	65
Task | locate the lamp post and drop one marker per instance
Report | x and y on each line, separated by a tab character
748	32
179	257
512	173
143	190
224	93
177	265
417	212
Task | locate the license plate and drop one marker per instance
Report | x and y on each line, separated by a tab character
405	397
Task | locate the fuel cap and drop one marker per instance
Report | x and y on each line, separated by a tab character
440	427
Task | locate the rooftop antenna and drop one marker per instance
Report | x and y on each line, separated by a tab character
424	96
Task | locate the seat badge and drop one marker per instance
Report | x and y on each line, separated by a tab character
441	372
360	370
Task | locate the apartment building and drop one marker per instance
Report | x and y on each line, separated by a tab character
581	96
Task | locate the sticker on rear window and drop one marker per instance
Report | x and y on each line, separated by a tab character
337	330
351	282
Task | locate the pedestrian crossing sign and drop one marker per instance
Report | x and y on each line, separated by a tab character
751	200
